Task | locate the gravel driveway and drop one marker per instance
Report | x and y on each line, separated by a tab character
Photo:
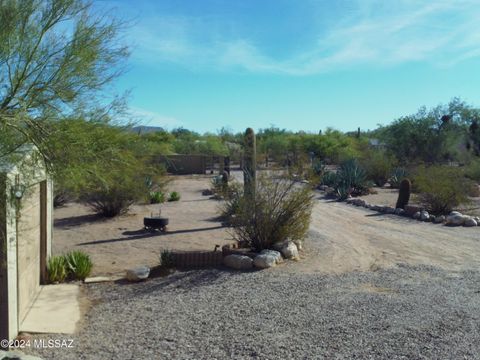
403	312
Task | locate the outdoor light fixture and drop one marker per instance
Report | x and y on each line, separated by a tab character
18	189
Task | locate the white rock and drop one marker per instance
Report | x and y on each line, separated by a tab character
456	219
455	213
417	215
264	261
424	215
276	255
239	262
439	219
290	251
138	274
470	222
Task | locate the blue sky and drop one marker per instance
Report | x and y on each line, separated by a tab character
296	64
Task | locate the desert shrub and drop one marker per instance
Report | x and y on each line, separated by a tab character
166	259
280	210
441	188
157	197
174	196
396	177
472	171
57	269
378	167
351	180
79	265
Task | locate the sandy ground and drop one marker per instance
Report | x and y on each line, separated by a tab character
342	237
121	243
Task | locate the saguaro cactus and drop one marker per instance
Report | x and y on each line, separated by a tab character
249	163
404	193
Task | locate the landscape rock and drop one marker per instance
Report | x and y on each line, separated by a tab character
439	219
424	215
138	274
410	210
290	251
323	187
455	213
390	210
456	219
263	261
17	355
470	222
238	262
417	215
276	255
399	211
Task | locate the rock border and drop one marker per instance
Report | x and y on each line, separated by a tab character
455	218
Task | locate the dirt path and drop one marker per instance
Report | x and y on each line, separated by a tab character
345	238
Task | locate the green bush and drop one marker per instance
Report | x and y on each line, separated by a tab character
280	210
57	269
79	265
441	188
378	167
329	179
157	197
166	259
174	196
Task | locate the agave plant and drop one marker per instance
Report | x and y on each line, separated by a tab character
397	176
351	180
329	179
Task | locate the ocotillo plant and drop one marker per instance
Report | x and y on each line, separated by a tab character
249	163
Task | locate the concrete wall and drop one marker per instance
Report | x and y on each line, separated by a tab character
184	164
25	241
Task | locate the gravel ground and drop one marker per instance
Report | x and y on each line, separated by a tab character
403	312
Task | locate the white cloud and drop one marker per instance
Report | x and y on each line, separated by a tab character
442	33
151	118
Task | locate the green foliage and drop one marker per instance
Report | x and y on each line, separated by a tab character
441	188
174	196
404	194
167	259
57	269
79	264
378	166
56	56
351	180
398	174
330	179
280	210
157	197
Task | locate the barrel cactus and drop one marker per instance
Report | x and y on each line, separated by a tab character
404	193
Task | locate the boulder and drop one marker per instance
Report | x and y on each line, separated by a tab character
439	219
264	261
456	219
424	215
455	213
290	251
275	254
470	222
238	262
417	215
410	210
399	211
389	210
138	274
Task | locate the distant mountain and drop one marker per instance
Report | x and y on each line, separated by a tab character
146	129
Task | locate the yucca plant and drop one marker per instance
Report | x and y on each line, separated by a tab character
329	178
79	264
57	269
